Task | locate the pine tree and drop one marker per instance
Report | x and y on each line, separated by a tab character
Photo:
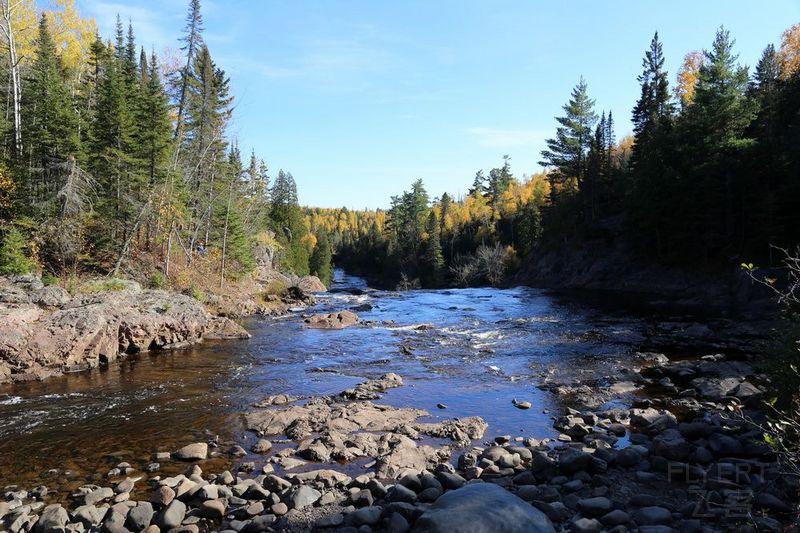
566	153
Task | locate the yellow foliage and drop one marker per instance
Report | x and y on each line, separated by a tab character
73	35
23	23
688	75
789	53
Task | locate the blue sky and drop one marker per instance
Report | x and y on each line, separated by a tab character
359	98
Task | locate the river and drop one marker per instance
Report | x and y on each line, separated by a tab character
485	348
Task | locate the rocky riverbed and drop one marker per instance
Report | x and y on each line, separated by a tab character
614	470
513	413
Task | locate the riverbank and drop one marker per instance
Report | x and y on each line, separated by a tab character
48	330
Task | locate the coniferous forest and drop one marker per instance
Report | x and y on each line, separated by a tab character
710	178
116	160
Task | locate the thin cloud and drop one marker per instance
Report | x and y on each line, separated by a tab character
506	138
152	28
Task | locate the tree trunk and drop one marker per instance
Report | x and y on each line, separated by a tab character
16	88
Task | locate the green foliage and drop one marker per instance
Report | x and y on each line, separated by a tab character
321	262
158	280
14	254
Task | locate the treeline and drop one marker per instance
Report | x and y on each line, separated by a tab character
711	175
113	159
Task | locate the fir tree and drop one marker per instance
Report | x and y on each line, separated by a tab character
433	260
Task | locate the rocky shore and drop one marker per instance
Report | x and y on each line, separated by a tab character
47	331
693	462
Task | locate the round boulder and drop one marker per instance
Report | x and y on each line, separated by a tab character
482	508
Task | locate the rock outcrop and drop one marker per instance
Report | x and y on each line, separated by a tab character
46	332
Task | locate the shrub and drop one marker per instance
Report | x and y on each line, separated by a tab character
13	256
158	280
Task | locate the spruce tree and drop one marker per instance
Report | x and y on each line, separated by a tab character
50	125
566	153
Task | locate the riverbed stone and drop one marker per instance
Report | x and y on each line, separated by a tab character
302	496
482	508
653	516
262	446
172	516
192	452
140	516
53	519
592	507
89	515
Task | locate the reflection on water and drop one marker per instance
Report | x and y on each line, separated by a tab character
486	347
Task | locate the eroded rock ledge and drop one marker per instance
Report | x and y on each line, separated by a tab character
45	331
348	426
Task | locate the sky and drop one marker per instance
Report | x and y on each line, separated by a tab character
358	98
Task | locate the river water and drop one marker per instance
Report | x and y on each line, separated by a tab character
486	347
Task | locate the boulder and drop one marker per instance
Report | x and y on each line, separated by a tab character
309	284
482	508
172	516
53	519
339	320
192	452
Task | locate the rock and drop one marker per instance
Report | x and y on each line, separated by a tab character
450	481
53	519
374	388
715	388
279	509
617	517
724	445
237	451
652	516
366	516
340	320
213	509
671	445
163	496
192	452
592	507
396	523
399	493
89	515
302	496
773	503
172	516
140	516
95	328
572	460
482	508
98	495
262	446
586	525
521	404
309	284
330	520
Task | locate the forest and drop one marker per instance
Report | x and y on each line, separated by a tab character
117	161
710	178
